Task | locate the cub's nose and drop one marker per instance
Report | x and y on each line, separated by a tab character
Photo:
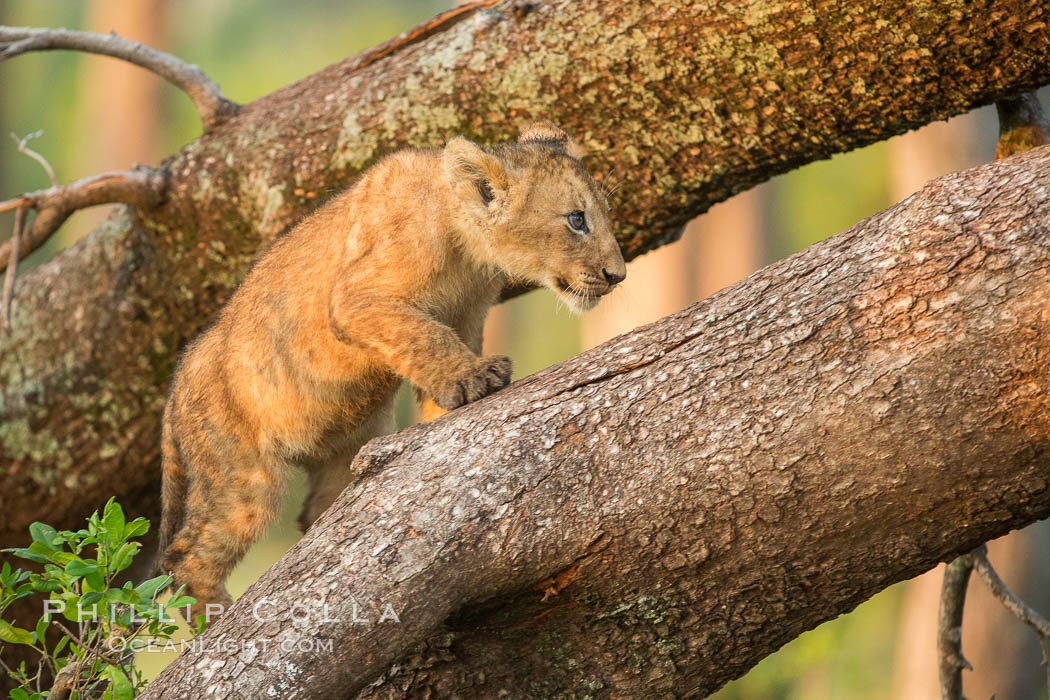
613	277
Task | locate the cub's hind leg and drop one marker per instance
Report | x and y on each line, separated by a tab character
328	478
232	494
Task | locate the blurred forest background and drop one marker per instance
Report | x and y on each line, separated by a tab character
99	114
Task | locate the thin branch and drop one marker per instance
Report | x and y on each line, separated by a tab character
69	633
1008	598
22	147
1022	125
12	266
142	187
7	669
1012	602
214	108
951	661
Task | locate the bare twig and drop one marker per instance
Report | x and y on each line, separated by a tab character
34	155
7	669
142	187
1008	598
949	627
1022	125
72	636
213	107
1012	602
12	266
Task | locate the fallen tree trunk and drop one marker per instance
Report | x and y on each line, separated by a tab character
689	102
658	514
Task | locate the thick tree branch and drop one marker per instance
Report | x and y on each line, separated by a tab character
212	106
142	187
708	487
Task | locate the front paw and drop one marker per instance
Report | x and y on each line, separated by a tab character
488	374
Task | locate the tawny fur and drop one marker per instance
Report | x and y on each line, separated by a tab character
390	280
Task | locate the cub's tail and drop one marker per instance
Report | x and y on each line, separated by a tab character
173	492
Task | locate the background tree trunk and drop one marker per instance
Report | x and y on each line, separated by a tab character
123	102
658	514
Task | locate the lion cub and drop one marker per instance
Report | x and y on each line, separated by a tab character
390	280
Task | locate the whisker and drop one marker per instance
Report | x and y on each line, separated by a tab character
605	181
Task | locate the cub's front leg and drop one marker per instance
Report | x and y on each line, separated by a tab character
418	347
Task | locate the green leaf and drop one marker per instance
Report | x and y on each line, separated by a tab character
180	602
42	549
95	581
47	585
24	553
90	598
113	518
79	567
136	528
14	635
94	524
119	684
44	534
118	595
122	559
70	611
21	592
147	589
41	628
59	557
60	646
18	694
131	597
54	555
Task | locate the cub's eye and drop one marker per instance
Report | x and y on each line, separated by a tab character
577	222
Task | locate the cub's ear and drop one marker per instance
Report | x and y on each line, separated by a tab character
472	172
547	134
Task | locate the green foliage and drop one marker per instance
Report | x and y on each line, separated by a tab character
100	624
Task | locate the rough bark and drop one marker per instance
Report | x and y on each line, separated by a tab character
688	101
656	515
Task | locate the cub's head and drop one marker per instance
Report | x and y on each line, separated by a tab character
532	210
